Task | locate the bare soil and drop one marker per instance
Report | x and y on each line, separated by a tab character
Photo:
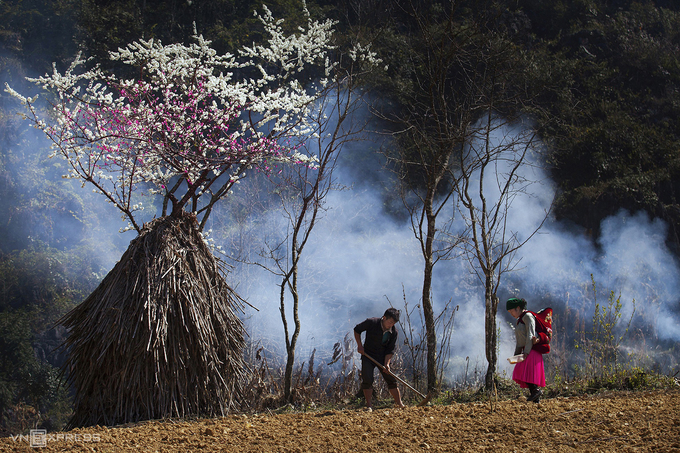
616	421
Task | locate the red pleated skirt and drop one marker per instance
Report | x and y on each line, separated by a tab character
530	371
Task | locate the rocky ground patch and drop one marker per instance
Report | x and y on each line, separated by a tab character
615	421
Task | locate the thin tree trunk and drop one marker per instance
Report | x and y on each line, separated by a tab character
288	374
491	331
428	310
292	342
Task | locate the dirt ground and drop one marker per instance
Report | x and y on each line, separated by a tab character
617	421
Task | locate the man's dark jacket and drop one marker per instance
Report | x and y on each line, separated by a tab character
376	344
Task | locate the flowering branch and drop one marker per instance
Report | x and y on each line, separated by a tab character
187	128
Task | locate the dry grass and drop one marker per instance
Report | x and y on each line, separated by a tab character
333	383
159	337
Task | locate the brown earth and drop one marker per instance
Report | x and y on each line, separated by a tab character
617	421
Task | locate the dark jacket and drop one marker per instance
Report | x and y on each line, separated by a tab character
376	344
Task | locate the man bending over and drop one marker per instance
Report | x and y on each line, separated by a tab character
379	343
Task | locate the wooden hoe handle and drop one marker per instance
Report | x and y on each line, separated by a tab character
392	374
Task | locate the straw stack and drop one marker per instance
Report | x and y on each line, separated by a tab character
159	337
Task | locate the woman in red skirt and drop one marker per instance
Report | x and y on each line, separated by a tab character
529	373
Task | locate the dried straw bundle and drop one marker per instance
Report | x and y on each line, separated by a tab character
159	337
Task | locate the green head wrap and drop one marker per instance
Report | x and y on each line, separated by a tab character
515	302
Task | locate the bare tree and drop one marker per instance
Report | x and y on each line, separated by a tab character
494	169
461	71
431	127
425	205
303	192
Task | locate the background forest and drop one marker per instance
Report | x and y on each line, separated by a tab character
604	78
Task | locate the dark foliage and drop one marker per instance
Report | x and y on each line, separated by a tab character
615	141
38	286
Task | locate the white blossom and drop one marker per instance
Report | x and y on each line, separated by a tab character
172	131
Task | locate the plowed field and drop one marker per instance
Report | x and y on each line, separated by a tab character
617	421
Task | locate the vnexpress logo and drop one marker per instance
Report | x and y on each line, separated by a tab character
38	438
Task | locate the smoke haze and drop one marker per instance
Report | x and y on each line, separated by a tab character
360	259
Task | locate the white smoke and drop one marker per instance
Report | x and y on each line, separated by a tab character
360	259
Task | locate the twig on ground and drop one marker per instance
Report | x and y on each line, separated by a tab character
569	412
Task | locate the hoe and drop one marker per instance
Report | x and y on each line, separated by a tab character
425	400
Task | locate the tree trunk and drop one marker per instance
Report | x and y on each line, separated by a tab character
288	377
491	334
291	342
428	310
428	313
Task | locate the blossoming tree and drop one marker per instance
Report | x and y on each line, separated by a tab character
159	336
187	128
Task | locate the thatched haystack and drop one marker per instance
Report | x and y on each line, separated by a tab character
159	337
